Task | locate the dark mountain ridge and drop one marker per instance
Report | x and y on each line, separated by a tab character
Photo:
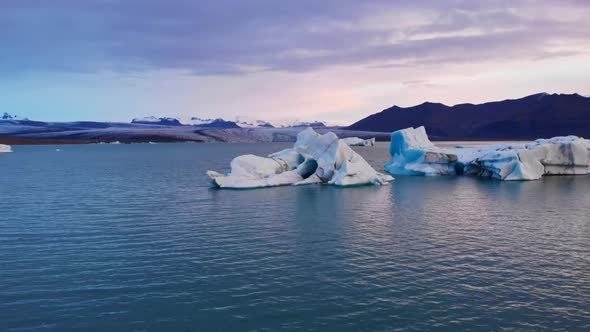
534	116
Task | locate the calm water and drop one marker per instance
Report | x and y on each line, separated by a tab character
131	238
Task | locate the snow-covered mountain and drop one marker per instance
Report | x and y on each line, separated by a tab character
299	123
239	122
245	122
313	124
215	123
8	117
157	121
196	121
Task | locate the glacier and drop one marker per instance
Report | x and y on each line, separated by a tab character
152	120
414	154
356	141
315	158
5	148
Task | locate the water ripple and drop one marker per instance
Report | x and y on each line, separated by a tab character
132	238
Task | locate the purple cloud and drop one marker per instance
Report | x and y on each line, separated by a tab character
225	37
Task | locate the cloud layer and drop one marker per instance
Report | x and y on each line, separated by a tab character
335	60
225	37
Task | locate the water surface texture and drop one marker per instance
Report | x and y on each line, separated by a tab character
131	238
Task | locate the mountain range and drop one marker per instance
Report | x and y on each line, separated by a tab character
221	123
535	116
18	130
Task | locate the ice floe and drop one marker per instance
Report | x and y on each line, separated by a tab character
314	158
414	154
5	148
356	141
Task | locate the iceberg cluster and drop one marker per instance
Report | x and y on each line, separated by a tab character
414	154
5	148
356	141
314	158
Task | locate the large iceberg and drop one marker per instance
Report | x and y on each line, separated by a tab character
314	158
5	148
414	154
356	141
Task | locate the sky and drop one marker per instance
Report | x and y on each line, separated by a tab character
331	60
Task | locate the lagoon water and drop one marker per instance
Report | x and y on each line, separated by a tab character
131	238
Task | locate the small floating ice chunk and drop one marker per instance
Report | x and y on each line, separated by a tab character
414	154
5	148
356	141
314	158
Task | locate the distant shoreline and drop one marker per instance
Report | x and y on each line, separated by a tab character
9	140
35	141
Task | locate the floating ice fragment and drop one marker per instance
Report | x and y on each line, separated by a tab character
414	154
314	158
356	141
5	148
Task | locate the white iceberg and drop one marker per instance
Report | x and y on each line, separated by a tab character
356	141
5	148
414	154
314	158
